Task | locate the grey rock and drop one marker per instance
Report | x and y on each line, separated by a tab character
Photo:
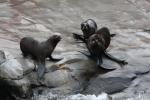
57	78
111	82
11	68
108	85
69	74
21	87
12	76
28	65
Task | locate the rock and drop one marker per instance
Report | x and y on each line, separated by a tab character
74	74
71	74
12	79
14	68
110	83
57	78
11	68
27	64
21	87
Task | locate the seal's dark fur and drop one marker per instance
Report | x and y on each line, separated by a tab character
39	51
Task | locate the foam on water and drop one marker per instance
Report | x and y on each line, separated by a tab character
50	96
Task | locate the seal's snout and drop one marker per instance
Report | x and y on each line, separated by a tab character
84	26
57	37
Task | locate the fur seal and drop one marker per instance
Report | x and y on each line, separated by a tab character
39	51
88	27
97	45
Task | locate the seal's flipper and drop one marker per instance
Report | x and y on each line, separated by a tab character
41	70
99	61
55	59
122	62
79	37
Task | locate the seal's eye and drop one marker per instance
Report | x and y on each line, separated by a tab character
83	26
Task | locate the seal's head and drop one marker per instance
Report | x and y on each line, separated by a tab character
96	44
54	39
88	27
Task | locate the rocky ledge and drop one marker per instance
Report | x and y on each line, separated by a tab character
74	74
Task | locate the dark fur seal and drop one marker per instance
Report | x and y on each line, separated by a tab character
39	51
98	43
88	28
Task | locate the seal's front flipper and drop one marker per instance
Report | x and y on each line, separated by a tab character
79	37
99	61
41	70
102	66
55	59
112	35
122	62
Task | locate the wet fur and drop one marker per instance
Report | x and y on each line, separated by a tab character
97	45
39	51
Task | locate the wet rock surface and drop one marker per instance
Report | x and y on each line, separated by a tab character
129	19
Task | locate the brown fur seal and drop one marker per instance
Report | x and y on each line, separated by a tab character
98	43
39	51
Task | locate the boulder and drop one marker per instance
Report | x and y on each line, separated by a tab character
74	74
11	68
12	79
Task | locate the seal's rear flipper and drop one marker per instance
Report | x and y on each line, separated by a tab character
41	70
121	62
106	69
55	59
